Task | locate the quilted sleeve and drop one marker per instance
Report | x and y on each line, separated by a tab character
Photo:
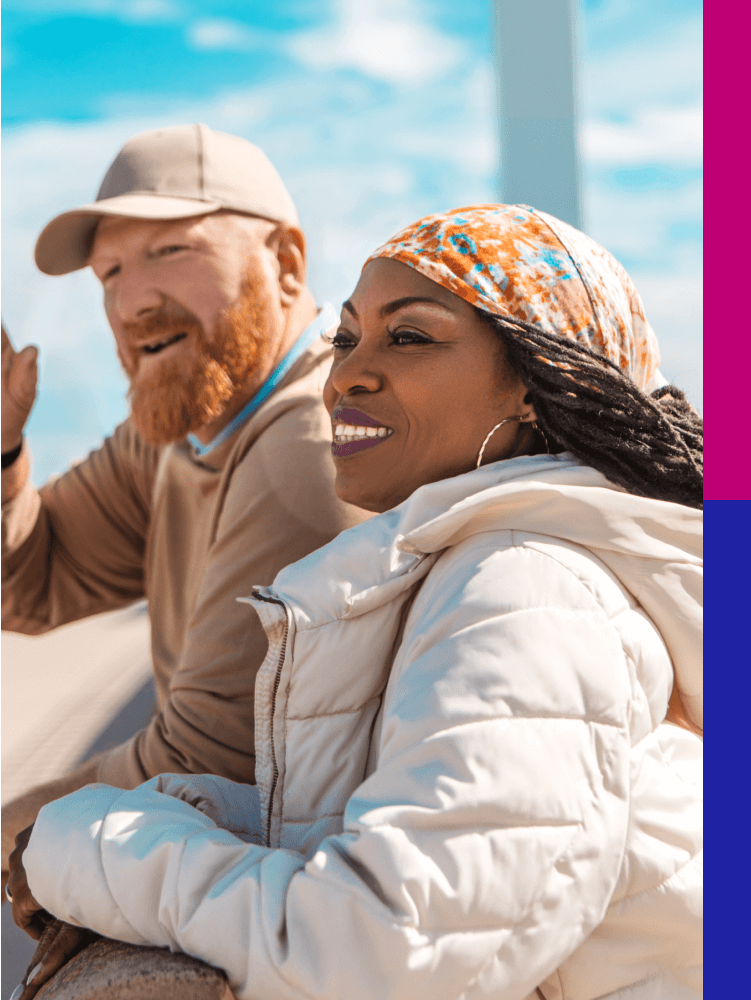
477	856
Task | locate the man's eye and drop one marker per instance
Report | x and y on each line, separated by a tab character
171	249
111	272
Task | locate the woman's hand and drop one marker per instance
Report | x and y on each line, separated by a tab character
27	913
58	941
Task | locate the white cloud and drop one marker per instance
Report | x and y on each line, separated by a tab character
637	224
656	135
641	106
223	34
641	101
390	40
660	69
387	40
150	10
637	227
673	303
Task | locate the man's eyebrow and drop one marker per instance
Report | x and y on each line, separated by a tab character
100	256
350	308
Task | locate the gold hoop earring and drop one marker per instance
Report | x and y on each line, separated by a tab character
507	420
536	427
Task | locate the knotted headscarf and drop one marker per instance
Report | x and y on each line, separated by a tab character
516	262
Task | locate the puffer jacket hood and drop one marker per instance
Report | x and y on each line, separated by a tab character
654	548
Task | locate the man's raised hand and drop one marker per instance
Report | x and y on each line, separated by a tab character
19	389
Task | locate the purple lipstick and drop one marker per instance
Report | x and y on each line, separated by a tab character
355	431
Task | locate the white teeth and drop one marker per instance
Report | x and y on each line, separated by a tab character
348	432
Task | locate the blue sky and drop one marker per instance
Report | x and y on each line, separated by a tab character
374	111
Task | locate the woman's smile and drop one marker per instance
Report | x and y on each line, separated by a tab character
355	431
432	380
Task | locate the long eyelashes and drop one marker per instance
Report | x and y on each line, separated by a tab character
409	336
399	338
340	340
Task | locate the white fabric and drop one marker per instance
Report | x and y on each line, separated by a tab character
465	785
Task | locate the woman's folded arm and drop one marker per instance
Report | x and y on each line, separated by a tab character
482	850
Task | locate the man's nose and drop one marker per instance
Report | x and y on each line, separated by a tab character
135	297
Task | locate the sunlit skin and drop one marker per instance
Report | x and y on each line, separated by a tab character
416	359
200	264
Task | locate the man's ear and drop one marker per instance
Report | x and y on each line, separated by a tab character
291	257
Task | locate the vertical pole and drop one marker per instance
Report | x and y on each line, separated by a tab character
536	60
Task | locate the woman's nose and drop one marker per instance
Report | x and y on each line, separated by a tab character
357	371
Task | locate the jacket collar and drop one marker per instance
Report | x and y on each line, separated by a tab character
653	547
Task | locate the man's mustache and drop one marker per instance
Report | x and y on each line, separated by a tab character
162	323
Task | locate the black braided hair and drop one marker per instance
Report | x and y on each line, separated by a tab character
650	445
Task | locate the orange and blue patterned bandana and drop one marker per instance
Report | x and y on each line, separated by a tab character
516	262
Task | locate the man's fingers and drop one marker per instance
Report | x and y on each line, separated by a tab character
26	374
19	389
28	354
8	352
6	339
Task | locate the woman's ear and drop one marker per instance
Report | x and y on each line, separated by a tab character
528	412
291	257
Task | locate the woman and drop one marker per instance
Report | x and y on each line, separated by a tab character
466	786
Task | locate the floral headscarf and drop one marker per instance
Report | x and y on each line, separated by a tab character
523	264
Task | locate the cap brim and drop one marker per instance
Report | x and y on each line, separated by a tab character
65	242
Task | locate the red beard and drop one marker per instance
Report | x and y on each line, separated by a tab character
186	393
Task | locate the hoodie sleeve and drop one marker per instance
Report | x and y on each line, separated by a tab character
75	547
479	854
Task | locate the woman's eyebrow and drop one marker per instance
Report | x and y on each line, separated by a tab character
392	307
408	300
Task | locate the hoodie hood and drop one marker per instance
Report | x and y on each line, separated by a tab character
654	548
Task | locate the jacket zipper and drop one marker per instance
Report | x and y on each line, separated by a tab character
277	678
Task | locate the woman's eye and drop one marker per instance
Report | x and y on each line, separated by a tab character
165	251
342	340
403	337
111	272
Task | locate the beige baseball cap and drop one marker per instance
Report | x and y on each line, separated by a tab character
169	173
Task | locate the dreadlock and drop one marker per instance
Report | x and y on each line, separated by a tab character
650	445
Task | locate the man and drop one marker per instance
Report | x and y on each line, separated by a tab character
222	474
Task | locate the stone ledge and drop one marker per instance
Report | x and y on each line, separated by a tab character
112	970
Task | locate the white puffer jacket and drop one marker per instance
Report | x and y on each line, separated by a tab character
465	785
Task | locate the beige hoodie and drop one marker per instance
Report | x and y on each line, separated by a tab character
189	534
